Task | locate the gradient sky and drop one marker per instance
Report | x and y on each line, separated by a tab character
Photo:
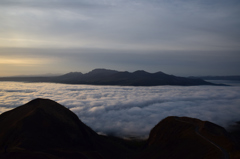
180	37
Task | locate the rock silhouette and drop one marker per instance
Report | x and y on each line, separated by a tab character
43	129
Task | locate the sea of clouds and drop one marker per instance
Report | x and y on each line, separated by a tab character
130	111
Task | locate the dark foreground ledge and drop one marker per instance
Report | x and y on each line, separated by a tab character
44	129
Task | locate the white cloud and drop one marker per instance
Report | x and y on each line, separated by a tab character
130	111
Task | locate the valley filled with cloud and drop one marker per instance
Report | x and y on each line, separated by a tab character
130	111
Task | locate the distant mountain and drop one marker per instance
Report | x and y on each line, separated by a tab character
232	78
44	129
112	77
100	72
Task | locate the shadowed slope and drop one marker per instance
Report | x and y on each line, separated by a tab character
188	138
45	127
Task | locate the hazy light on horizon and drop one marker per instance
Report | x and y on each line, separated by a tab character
144	27
19	62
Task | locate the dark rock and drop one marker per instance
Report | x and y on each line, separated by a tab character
44	129
188	138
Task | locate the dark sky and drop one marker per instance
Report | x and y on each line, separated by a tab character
181	37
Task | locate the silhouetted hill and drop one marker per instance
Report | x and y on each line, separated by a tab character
235	131
71	75
45	129
176	137
111	77
100	72
232	78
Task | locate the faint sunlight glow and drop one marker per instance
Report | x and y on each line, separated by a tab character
43	43
21	42
27	61
13	66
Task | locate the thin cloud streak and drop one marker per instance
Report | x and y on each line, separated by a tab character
144	24
180	63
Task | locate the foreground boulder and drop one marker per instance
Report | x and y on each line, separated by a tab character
44	129
184	137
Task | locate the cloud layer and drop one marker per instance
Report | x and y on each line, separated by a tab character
174	25
130	111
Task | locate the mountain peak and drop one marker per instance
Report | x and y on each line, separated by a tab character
41	102
43	124
72	75
101	72
160	73
42	128
47	105
142	72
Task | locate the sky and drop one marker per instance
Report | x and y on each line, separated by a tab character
180	37
130	111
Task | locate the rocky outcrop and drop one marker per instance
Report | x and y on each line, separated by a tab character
43	129
184	137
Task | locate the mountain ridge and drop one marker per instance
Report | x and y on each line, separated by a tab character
233	77
112	77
